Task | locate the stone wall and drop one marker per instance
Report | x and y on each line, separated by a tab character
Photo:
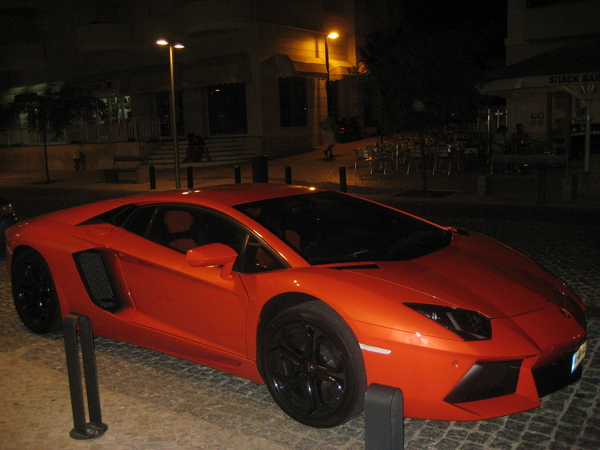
60	157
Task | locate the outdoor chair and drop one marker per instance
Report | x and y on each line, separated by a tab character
381	159
442	158
363	155
414	157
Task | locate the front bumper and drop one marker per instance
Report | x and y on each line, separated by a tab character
444	379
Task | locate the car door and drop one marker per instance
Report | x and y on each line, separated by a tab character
169	295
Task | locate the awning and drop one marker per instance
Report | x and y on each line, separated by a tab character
219	70
573	65
103	84
284	67
202	72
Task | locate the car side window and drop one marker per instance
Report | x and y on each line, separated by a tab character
258	258
139	220
182	228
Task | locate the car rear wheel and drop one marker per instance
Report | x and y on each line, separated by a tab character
312	364
34	293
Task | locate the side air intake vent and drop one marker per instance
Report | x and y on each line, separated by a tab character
97	281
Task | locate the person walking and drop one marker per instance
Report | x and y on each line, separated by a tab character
329	127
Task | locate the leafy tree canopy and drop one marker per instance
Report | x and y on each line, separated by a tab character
54	111
425	77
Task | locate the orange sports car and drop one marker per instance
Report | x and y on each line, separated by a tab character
315	293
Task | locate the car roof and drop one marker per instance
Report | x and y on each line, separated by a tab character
221	197
235	194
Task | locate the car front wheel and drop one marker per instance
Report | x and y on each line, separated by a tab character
312	364
34	293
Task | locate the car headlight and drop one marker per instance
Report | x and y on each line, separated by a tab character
469	325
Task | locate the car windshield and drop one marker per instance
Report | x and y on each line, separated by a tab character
330	227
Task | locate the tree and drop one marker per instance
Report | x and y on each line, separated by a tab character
424	77
52	112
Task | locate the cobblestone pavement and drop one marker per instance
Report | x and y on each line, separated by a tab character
154	401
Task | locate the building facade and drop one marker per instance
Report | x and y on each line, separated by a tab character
551	81
262	71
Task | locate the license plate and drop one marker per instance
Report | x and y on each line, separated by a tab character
579	356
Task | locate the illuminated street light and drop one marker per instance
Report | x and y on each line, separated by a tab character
332	35
173	108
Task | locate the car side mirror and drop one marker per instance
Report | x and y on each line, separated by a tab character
213	255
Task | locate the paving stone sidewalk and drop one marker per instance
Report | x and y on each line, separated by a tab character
155	401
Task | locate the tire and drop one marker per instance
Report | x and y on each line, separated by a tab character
34	293
311	363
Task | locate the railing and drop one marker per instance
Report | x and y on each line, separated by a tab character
137	129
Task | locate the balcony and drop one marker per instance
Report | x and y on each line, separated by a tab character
210	17
102	37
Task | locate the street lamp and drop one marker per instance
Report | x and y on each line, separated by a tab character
173	108
332	35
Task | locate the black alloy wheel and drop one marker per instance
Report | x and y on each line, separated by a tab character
312	364
34	293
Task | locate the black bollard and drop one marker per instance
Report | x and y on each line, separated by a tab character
343	186
260	169
288	175
152	175
384	418
94	428
541	185
237	174
190	177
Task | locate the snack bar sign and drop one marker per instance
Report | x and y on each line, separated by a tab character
580	78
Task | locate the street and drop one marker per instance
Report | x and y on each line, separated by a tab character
152	400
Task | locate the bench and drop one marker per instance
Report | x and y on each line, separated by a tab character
127	169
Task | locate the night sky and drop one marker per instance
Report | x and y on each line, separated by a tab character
485	18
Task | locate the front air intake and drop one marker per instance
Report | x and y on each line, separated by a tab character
96	279
486	380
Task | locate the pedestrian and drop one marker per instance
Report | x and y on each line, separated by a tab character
500	141
329	127
196	149
77	156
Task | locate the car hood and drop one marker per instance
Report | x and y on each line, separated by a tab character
474	272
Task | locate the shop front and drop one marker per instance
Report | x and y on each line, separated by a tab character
555	96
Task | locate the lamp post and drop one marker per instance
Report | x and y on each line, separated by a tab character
173	107
332	35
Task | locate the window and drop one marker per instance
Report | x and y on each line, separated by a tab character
182	228
293	108
257	258
227	109
328	227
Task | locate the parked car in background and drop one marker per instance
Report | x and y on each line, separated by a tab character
315	293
